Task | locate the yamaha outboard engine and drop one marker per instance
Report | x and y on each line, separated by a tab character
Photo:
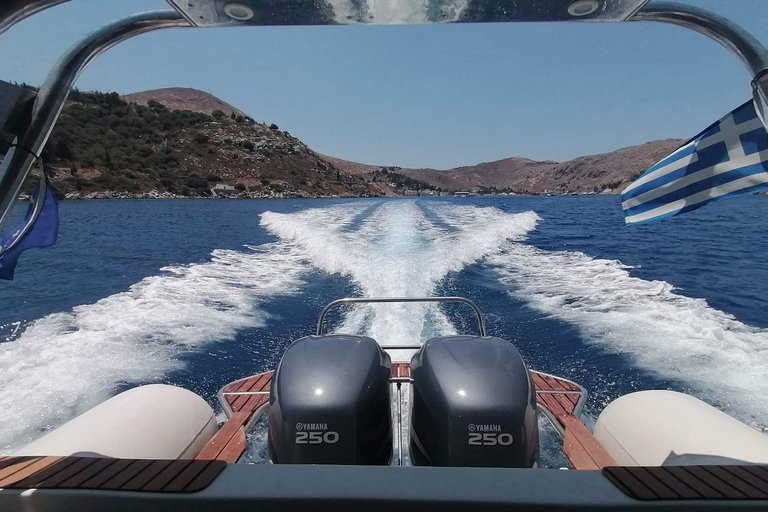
329	403
474	404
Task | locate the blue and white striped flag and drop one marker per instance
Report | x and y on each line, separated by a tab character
728	159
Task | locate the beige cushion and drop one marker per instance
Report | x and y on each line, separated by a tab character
149	422
666	428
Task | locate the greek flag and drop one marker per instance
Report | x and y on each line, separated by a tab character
728	159
39	229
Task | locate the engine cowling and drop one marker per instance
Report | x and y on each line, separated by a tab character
474	404
330	403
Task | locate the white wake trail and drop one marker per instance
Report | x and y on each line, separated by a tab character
65	363
397	252
723	360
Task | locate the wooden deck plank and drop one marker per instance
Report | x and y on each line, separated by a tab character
254	384
34	480
540	383
237	385
549	401
235	448
254	402
12	468
596	451
214	447
28	470
568	405
576	454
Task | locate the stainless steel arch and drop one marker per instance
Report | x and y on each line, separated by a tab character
52	95
751	52
377	300
741	43
13	11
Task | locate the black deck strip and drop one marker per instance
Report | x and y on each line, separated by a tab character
108	474
745	475
205	478
631	482
736	482
72	470
658	486
189	473
691	482
708	478
166	475
145	475
683	490
119	466
120	479
759	471
94	469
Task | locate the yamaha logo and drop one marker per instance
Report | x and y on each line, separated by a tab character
311	426
477	427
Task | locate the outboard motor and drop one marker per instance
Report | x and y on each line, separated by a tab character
474	405
329	403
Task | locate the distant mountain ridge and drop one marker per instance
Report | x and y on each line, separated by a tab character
602	173
184	98
180	142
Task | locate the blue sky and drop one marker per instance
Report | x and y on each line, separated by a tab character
423	96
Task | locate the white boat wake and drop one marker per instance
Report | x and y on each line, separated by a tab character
64	363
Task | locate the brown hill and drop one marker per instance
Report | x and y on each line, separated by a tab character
181	145
184	98
603	173
104	146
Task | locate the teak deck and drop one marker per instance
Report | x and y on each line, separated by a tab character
558	396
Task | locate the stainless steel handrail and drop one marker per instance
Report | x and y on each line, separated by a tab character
374	300
53	94
751	52
740	42
14	11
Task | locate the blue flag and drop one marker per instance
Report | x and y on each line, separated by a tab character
728	159
40	229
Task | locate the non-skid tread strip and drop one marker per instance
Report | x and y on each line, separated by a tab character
691	482
108	474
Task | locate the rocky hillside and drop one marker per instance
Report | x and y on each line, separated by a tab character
104	146
603	173
185	98
182	142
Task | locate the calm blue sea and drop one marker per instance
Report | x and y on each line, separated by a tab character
201	292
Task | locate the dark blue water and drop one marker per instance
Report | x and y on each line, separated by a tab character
199	293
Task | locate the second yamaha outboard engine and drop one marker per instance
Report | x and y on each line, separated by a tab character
474	404
329	403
